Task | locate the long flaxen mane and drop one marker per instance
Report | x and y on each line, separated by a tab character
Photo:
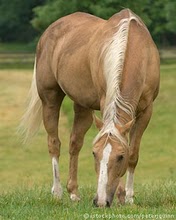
114	56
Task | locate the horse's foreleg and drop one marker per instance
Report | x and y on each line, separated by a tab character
121	193
82	122
51	106
135	138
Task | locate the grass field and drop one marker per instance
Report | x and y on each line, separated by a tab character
25	171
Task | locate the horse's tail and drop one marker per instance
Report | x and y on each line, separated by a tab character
32	118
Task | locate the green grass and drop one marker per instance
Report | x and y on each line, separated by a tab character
37	203
25	171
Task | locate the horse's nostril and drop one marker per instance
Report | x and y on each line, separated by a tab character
108	204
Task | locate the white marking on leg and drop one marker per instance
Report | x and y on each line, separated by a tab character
57	188
74	197
129	187
103	176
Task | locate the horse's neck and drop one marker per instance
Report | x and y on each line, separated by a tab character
114	115
117	108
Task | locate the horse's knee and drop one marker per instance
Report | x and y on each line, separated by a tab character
133	160
54	146
75	144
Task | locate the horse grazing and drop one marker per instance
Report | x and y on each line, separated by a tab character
107	65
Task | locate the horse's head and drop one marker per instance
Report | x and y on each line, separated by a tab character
111	160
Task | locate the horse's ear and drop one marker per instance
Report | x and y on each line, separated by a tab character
98	122
125	128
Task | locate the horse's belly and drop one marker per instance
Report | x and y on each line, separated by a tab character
82	93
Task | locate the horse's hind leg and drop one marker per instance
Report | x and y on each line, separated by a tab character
135	138
51	101
82	122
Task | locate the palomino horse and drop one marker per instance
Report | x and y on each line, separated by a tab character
107	65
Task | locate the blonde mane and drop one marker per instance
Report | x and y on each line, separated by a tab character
114	57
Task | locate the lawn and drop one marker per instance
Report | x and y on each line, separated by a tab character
25	171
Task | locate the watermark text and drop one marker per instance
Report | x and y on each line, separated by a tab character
128	216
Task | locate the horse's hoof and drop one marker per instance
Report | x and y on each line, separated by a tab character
74	197
129	200
57	192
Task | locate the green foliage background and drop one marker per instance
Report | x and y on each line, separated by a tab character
25	20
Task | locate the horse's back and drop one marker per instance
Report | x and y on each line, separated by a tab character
71	28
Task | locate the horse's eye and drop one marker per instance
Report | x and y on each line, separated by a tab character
120	158
93	153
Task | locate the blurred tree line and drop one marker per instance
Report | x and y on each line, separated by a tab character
24	20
